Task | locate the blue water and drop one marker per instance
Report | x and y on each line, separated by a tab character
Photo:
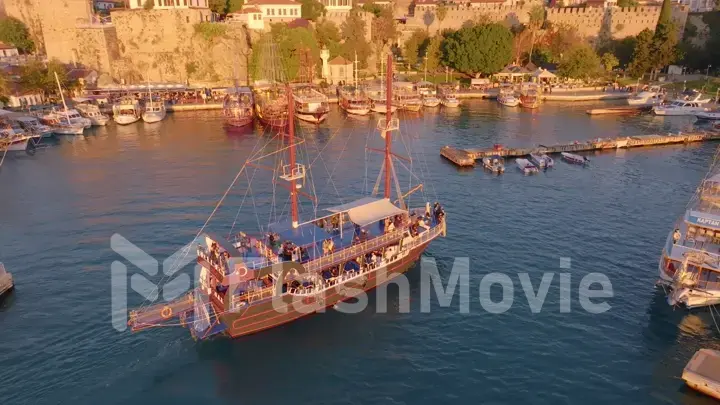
156	185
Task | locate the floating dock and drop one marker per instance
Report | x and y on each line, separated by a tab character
702	372
622	110
467	157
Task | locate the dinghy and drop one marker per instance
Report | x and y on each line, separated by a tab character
542	160
526	166
573	158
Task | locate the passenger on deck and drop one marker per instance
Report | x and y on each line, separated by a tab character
356	240
335	222
364	236
676	236
427	209
390	227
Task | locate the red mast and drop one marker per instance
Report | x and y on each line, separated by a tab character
291	153
388	117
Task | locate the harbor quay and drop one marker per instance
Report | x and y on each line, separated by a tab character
467	157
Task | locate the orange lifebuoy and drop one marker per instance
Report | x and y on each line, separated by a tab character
166	312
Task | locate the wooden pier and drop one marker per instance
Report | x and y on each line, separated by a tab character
467	157
622	110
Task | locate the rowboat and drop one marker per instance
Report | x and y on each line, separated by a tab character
573	158
526	166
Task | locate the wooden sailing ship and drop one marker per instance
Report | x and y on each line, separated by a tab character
271	104
311	105
353	99
238	107
529	95
248	283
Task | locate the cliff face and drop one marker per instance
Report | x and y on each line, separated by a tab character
27	12
178	45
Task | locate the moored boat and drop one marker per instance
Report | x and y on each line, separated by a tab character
238	107
708	115
310	104
573	158
529	95
406	97
92	112
691	103
6	281
526	166
652	96
60	125
354	101
506	97
690	260
495	164
126	111
449	100
428	93
33	125
291	269
542	160
271	104
154	109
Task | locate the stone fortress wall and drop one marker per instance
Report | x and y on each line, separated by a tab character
591	21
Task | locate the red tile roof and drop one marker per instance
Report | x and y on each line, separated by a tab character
339	60
249	10
271	2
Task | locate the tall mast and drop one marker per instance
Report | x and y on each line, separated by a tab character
355	74
291	153
67	116
388	118
149	91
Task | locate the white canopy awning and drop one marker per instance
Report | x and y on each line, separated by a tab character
368	210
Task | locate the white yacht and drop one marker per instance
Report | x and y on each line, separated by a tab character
542	160
449	100
690	104
310	104
91	112
708	115
126	111
506	97
690	260
154	111
653	96
61	125
526	166
428	93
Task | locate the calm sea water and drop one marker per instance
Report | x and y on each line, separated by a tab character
156	185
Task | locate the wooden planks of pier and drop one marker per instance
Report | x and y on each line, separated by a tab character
467	157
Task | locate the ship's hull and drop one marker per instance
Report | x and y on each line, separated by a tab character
238	122
152	117
529	102
99	121
272	120
259	317
126	119
411	107
315	118
451	103
78	130
18	145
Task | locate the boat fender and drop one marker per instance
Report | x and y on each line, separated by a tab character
166	312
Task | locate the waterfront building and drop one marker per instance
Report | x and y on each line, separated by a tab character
252	17
341	69
274	11
344	5
8	50
169	4
103	5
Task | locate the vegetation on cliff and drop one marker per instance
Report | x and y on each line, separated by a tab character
210	31
225	6
294	56
14	32
311	9
705	54
37	76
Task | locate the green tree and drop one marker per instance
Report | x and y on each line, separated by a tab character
372	8
561	40
582	62
536	17
482	48
609	61
217	6
14	32
312	9
411	48
642	54
190	69
441	13
384	29
149	5
355	43
328	35
627	3
298	51
665	13
433	53
665	49
39	77
234	5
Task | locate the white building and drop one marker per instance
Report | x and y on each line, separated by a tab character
276	10
8	50
252	17
169	4
338	5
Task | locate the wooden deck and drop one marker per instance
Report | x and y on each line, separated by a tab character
467	157
622	110
702	372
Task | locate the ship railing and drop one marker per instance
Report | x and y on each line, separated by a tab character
354	251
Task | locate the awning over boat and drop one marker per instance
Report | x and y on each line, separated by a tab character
368	210
703	219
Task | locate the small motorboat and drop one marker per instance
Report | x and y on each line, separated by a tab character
542	160
495	164
575	159
526	166
6	281
708	115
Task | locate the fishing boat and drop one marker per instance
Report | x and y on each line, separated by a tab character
294	268
72	117
126	111
653	96
495	164
573	158
690	260
271	104
529	95
33	125
154	109
238	107
406	97
542	160
6	281
428	93
11	141
310	104
60	124
506	97
708	115
449	100
526	166
92	112
353	99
